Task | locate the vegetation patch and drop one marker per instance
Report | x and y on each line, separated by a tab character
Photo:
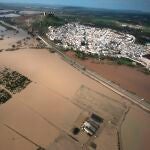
42	25
80	54
123	61
13	81
4	96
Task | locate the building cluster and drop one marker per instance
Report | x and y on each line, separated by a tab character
99	41
92	124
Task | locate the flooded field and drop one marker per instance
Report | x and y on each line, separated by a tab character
136	130
54	84
10	37
50	70
14	39
128	78
11	15
45	111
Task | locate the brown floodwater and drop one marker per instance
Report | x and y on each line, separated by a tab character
136	130
128	78
51	71
44	107
10	37
53	81
11	140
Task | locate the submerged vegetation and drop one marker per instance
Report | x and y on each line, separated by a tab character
119	61
13	81
5	26
123	61
108	59
4	96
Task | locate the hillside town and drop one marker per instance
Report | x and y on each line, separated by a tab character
106	42
73	78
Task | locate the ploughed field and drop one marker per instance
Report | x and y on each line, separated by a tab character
59	98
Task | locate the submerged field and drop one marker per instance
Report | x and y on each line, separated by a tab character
59	98
126	77
14	39
48	99
135	130
55	85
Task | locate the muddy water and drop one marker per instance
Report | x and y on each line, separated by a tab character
28	123
136	130
128	78
11	140
37	107
10	37
51	71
